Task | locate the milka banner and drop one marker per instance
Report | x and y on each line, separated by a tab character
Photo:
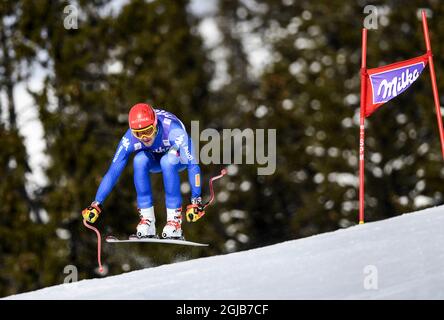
379	85
387	82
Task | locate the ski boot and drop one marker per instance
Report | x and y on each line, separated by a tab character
147	225
173	227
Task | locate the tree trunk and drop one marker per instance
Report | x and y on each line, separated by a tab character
8	84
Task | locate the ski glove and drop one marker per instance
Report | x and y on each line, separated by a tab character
195	210
91	214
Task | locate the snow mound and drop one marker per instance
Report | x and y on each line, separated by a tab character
398	258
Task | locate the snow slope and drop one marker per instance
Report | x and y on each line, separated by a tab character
402	256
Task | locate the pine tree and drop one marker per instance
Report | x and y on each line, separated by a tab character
25	260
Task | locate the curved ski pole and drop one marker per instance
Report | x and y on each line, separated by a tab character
209	202
99	238
222	173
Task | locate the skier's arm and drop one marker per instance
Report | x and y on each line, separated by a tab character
193	172
120	159
195	209
180	141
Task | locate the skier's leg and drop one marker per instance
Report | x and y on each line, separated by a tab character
173	198
171	181
143	164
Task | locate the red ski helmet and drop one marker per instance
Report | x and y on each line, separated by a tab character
142	116
142	120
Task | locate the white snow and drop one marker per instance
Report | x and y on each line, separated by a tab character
398	258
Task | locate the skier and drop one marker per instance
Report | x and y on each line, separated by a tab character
161	144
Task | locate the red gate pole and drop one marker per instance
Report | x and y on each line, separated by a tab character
433	78
362	124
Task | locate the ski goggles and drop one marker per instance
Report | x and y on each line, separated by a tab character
147	132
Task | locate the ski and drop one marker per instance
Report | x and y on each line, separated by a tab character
111	239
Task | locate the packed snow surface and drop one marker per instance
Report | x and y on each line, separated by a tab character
398	258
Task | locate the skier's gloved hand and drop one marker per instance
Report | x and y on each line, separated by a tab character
91	214
195	210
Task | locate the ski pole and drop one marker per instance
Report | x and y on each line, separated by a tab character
191	216
98	243
222	173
